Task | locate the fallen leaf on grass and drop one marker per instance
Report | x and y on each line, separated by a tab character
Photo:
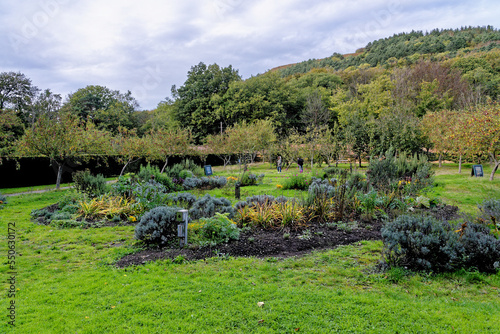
259	304
261	321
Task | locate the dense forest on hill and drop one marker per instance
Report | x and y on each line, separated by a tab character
362	104
408	48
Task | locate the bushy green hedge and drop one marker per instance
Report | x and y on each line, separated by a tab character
158	226
89	184
424	243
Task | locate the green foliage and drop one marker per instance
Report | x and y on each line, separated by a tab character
89	184
298	182
158	226
150	194
249	179
182	199
219	229
388	172
182	169
3	200
149	172
424	243
207	206
193	105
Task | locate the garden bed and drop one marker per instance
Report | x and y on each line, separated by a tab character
266	243
280	243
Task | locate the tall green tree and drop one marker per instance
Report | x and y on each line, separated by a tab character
193	107
63	139
108	109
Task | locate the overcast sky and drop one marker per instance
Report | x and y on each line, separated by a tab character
146	46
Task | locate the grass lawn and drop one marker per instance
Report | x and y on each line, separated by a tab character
65	281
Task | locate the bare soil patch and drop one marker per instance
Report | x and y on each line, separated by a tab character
279	243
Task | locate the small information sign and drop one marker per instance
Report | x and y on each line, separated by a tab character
208	170
477	171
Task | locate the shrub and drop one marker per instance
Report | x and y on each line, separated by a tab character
385	173
478	248
184	174
205	182
490	212
187	164
357	181
299	182
319	187
424	243
158	226
152	173
249	179
89	184
259	200
3	200
184	200
219	229
191	183
332	171
150	194
419	243
207	206
124	186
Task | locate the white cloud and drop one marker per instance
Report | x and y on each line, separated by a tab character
150	45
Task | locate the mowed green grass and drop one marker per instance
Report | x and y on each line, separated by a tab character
66	283
462	190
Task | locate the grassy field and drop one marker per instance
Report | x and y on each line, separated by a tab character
65	281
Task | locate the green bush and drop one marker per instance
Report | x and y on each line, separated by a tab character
387	173
249	179
187	164
299	182
148	173
89	184
490	212
219	229
185	173
3	200
424	243
207	206
150	194
158	226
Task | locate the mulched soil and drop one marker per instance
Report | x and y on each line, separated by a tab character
264	243
272	243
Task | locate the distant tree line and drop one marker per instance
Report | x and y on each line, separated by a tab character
377	100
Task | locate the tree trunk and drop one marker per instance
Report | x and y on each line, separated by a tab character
460	165
497	162
123	169
440	159
359	160
59	173
165	165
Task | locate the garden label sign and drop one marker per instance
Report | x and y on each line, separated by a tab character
477	171
208	170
